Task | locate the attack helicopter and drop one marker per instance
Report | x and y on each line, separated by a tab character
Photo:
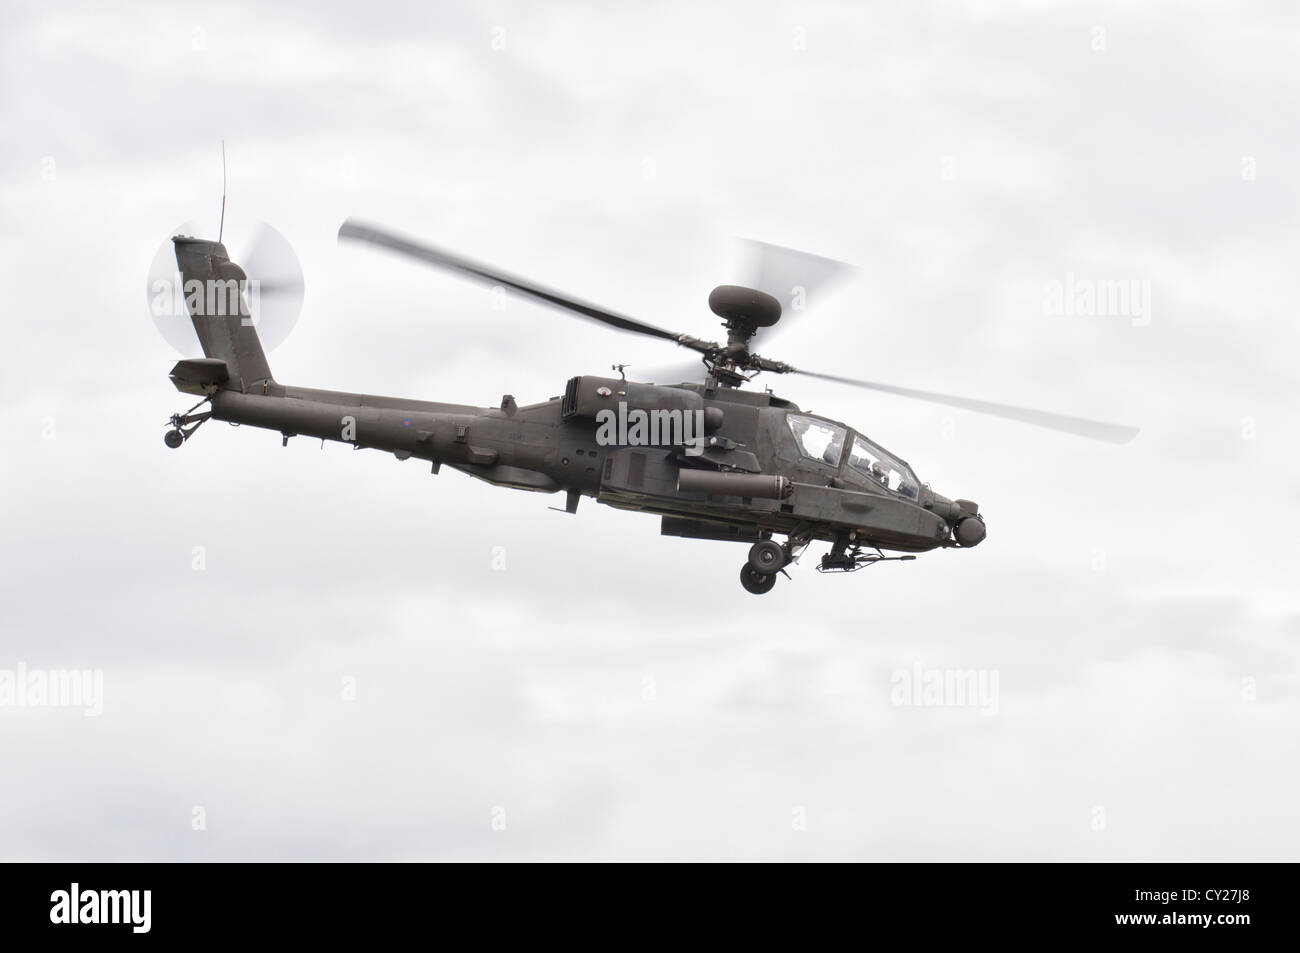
711	459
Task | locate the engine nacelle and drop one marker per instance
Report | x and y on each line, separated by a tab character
587	396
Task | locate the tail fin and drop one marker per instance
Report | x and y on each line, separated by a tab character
213	287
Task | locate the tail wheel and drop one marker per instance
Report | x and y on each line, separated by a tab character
766	557
756	582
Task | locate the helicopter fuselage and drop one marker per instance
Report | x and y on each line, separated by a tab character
712	461
694	477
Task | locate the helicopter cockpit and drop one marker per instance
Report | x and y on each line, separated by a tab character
817	439
824	441
876	464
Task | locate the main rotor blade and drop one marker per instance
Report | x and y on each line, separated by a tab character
1093	429
797	279
359	231
675	373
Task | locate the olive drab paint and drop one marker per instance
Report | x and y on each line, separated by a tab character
726	463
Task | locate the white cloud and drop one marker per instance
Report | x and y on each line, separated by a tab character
1121	686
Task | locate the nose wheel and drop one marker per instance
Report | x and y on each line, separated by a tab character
755	581
184	425
767	557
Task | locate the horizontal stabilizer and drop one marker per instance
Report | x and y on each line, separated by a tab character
201	376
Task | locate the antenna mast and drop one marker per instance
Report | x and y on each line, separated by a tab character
222	227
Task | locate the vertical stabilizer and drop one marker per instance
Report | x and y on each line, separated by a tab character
213	288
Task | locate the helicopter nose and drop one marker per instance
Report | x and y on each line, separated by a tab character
970	531
968	527
953	510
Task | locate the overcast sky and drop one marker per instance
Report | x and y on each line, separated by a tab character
534	685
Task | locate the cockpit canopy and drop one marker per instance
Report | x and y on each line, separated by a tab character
816	438
824	441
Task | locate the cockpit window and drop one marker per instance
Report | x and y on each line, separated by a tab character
819	439
875	464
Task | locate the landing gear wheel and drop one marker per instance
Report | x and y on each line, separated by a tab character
184	425
766	557
756	582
